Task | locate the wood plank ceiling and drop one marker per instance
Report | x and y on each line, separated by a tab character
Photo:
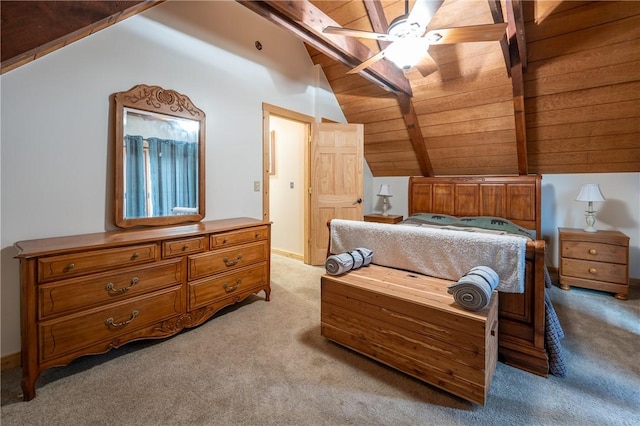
559	94
548	99
31	29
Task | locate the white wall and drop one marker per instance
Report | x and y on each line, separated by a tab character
56	131
399	201
620	211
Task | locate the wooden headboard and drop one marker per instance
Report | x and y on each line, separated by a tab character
516	198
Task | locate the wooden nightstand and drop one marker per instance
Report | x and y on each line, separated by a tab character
595	260
376	217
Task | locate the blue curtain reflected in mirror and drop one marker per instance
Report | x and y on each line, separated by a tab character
135	185
173	175
161	177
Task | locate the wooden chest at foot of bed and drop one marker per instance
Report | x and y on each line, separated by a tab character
409	322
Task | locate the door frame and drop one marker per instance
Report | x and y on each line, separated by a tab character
269	110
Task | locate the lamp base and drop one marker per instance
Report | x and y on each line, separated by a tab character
385	206
590	216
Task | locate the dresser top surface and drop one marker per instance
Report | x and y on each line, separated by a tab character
575	234
53	245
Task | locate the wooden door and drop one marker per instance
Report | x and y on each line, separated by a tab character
336	181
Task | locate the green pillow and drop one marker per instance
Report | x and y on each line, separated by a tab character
432	219
495	224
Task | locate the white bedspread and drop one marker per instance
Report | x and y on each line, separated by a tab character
441	253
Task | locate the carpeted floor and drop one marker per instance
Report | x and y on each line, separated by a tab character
265	363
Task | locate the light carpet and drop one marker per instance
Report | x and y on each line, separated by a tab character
265	363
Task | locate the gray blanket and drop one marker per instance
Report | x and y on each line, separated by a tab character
440	253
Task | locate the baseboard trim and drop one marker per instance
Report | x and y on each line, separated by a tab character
10	361
288	254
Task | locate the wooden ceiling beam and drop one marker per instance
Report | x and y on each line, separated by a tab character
415	134
307	22
518	18
32	29
515	33
498	18
378	20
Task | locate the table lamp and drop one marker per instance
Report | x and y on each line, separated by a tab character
385	193
590	192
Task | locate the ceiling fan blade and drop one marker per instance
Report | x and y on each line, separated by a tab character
426	65
358	33
474	33
422	12
375	58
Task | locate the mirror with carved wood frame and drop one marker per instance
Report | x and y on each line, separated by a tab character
159	158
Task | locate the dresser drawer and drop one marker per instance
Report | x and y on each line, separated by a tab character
70	333
65	266
239	237
206	264
72	295
182	247
597	271
594	251
205	291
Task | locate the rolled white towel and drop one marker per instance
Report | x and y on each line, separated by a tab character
337	264
366	254
474	289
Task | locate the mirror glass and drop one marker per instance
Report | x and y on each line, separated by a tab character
159	158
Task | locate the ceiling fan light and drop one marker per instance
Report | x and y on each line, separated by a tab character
407	52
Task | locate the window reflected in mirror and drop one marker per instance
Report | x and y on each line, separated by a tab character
159	158
161	164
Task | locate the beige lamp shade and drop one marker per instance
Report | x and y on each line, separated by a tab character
590	192
385	191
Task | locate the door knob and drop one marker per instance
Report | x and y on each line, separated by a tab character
358	201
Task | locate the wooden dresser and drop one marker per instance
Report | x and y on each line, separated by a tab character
594	260
87	294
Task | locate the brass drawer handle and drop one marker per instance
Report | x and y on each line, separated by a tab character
135	256
224	241
109	321
229	288
110	286
69	267
593	251
185	247
592	270
232	262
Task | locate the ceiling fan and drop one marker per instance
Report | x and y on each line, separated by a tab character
409	39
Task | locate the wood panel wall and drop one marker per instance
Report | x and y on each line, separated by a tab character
582	86
581	93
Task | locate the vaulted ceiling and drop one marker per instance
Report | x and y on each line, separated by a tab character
398	108
558	94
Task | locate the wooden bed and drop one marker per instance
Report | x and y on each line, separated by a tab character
518	199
